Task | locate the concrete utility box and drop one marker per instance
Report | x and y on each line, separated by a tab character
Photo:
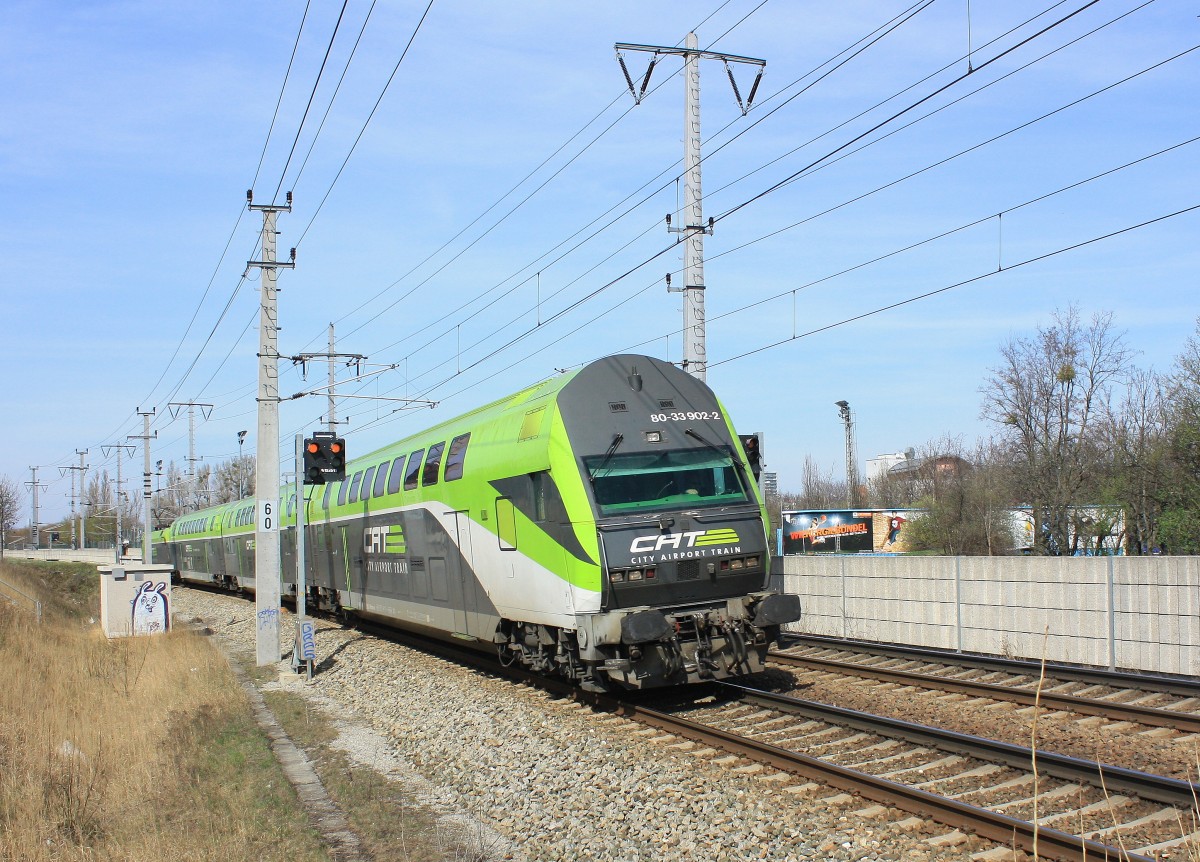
135	599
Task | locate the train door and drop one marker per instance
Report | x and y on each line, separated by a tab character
462	574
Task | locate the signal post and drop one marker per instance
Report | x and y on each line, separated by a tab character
320	459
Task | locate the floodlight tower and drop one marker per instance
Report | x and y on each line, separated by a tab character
851	454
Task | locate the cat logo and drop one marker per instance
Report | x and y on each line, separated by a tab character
384	540
678	541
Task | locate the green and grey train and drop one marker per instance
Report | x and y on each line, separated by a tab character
602	525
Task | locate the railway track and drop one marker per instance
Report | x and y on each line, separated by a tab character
976	784
1094	699
1072	810
967	783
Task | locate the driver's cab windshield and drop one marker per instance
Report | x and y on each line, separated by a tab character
644	481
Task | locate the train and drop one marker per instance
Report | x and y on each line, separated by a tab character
603	525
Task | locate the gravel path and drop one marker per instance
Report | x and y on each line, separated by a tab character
538	778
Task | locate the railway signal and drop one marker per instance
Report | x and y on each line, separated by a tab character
324	458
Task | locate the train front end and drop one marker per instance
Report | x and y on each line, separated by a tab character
680	526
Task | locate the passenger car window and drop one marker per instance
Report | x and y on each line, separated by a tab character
456	456
354	487
367	478
380	480
414	467
397	475
433	461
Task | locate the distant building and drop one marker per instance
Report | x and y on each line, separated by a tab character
881	465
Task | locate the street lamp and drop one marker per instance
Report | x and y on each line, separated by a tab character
241	441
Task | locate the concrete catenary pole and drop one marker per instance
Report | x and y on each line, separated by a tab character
73	469
82	517
206	411
120	447
34	486
266	530
695	349
332	417
147	492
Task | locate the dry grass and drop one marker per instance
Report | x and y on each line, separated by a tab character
391	824
131	749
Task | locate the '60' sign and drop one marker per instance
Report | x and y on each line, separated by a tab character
268	516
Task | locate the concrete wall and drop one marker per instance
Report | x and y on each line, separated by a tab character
1139	613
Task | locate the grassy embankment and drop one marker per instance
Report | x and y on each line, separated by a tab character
131	749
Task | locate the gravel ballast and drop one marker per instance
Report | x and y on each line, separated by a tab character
539	778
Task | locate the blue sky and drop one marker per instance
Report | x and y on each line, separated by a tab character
506	161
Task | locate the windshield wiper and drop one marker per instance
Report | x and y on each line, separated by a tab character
617	438
711	445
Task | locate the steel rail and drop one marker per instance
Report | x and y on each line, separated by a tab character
1170	791
1148	715
992	825
1178	685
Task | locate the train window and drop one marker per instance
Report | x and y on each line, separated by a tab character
380	480
456	456
343	487
325	498
414	467
433	461
353	498
646	481
397	474
368	478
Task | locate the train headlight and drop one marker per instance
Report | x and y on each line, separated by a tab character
737	563
635	574
751	562
654	437
616	577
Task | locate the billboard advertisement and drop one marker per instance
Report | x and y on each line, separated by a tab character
845	531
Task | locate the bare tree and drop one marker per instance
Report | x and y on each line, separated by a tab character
1134	434
1045	396
819	489
965	498
234	479
10	503
1179	523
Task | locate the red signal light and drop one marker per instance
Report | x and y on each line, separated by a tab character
313	447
